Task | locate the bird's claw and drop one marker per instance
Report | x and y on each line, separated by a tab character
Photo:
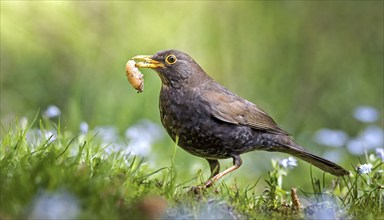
198	190
209	183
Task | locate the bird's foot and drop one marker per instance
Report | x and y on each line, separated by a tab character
201	188
198	190
209	183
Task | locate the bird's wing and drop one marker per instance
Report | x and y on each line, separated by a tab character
231	108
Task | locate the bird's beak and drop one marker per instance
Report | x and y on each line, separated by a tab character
147	62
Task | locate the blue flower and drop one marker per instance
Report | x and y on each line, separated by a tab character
37	137
108	134
332	138
366	114
289	162
142	136
380	153
84	127
356	146
373	136
370	138
364	168
57	205
52	111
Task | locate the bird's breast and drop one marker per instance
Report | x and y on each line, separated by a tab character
186	115
181	111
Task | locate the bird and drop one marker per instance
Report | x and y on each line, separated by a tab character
207	120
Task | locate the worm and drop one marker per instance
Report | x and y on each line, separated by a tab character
134	76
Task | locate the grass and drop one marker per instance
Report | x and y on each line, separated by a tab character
62	171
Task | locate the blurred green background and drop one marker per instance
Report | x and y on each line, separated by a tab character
308	64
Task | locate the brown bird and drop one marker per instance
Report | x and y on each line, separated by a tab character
209	121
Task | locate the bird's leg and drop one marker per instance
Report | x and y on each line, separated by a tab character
215	167
236	164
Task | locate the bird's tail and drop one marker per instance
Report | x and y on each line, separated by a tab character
319	162
326	165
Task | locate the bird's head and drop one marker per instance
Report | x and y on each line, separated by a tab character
174	67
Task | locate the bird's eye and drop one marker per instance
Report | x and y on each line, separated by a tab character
171	59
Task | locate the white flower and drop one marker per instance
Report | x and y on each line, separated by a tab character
52	111
380	153
366	114
365	168
289	162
